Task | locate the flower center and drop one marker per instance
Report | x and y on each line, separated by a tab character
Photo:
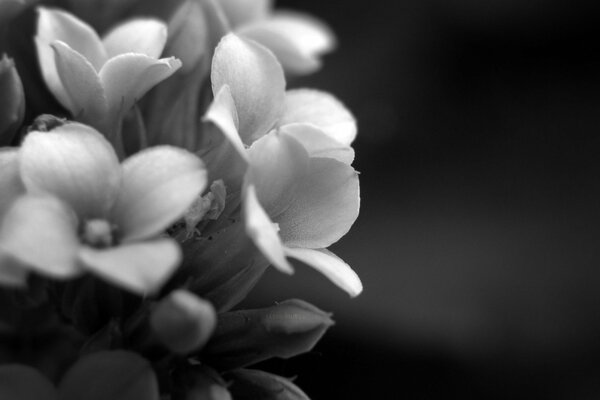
98	233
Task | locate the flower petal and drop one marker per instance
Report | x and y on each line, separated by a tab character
298	40
55	24
12	272
159	185
81	84
223	114
127	77
144	36
21	382
41	233
256	81
75	163
11	186
140	267
317	143
330	265
263	231
239	12
322	110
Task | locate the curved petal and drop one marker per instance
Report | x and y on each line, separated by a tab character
21	382
239	12
55	24
298	40
75	163
317	143
330	265
11	185
256	81
81	84
12	273
325	204
159	185
263	231
127	77
139	267
322	110
41	233
144	36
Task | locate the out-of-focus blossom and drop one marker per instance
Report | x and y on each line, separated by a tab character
85	212
99	80
12	101
11	8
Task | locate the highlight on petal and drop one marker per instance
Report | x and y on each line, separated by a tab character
223	114
263	231
127	77
322	110
11	185
317	143
21	382
330	265
81	84
139	267
75	163
256	81
144	36
298	40
41	233
159	185
239	12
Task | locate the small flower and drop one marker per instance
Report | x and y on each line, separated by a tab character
99	80
85	212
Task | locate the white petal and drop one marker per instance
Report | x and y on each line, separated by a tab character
322	110
240	12
256	81
143	36
317	143
11	186
140	267
263	231
330	265
159	185
75	163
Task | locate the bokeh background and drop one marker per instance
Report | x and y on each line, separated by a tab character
478	239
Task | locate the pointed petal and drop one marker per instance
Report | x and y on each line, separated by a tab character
21	382
239	12
55	24
256	82
297	40
41	233
322	110
159	185
11	186
81	84
127	77
12	272
75	163
330	265
139	267
223	114
317	143
263	231
325	204
143	36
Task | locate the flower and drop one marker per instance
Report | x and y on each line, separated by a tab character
99	80
84	212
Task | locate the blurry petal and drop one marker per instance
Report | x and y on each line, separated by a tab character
240	12
263	231
21	382
55	24
263	386
12	273
143	36
330	265
12	108
322	110
11	185
256	82
41	232
75	163
140	267
325	204
159	185
127	77
297	40
81	84
188	35
223	114
317	143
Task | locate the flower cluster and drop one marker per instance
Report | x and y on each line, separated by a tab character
153	167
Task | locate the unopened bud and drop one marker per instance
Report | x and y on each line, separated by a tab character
249	384
12	100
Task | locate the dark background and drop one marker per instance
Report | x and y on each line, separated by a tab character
478	239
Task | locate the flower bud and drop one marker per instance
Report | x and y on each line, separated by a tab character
12	100
250	336
249	384
199	383
183	322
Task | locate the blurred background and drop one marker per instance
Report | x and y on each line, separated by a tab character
478	239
